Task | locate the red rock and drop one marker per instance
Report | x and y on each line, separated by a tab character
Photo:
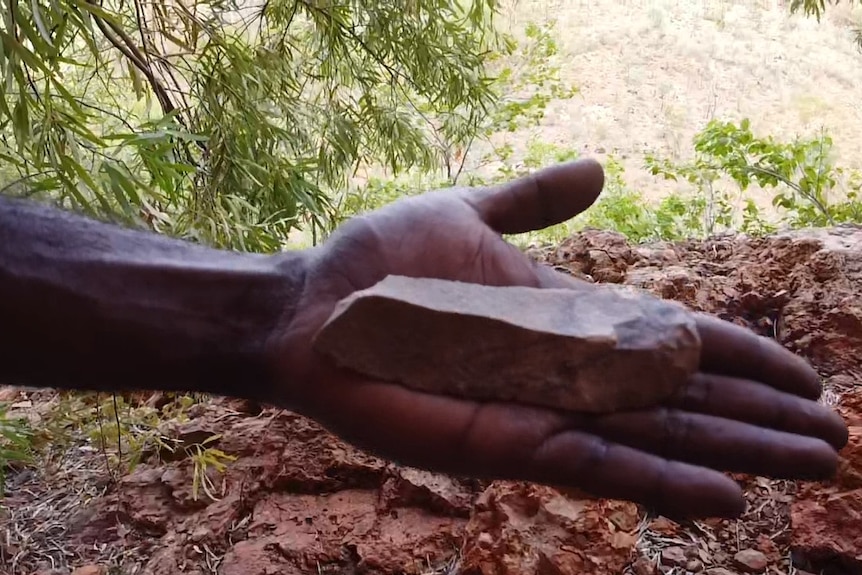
751	560
768	547
415	487
720	571
89	570
664	526
594	255
9	393
644	566
827	517
827	525
521	529
673	556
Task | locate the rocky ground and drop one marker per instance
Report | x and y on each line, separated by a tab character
297	500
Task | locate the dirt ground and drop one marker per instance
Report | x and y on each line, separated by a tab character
298	500
652	73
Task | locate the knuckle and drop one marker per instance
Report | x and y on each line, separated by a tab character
676	431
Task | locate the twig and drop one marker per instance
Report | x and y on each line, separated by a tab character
119	438
102	441
123	43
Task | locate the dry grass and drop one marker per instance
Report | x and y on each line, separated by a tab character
42	500
653	72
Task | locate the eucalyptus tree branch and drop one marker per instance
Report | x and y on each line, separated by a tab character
142	29
126	45
133	56
393	72
395	75
153	58
105	111
21	180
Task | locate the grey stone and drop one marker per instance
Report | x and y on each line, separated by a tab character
598	349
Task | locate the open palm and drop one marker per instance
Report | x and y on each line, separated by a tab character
752	407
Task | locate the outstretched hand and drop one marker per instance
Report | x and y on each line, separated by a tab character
752	407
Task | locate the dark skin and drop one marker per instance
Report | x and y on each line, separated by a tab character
86	305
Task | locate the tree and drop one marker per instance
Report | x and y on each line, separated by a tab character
229	122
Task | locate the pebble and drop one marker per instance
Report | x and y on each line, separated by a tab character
751	560
673	556
644	566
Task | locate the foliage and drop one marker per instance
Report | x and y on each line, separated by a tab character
205	458
619	208
801	172
122	429
15	443
125	432
538	155
260	111
814	8
525	79
676	217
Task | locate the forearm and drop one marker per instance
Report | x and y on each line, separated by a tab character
88	305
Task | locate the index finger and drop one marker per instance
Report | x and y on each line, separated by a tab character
732	350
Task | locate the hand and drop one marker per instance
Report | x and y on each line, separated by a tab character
750	409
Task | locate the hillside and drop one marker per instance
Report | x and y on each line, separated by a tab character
651	74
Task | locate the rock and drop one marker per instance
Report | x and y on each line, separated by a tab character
597	349
89	570
827	517
720	571
644	566
673	556
822	318
664	526
594	255
199	534
9	394
694	565
524	529
418	488
751	560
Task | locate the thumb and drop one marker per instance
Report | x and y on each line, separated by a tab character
541	199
